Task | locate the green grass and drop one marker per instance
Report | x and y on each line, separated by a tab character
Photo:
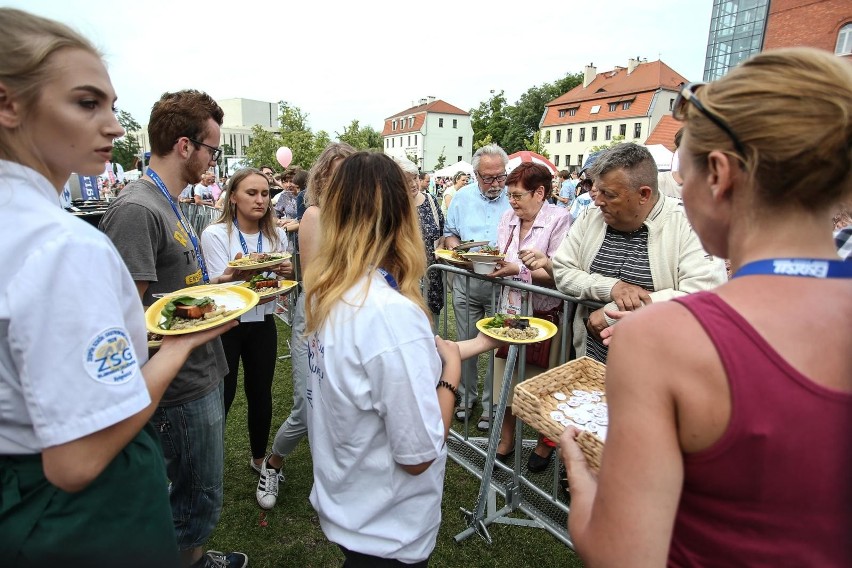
290	534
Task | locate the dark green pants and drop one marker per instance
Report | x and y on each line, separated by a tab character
121	519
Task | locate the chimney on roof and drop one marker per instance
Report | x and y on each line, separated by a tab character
422	101
632	64
590	74
431	99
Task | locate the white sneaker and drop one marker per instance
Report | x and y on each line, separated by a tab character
267	485
253	465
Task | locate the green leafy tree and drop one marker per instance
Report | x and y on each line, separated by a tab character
490	120
261	150
228	150
367	138
617	139
442	160
535	145
526	114
477	144
126	149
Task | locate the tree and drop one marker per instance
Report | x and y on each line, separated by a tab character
366	138
535	145
442	160
262	147
617	139
126	149
489	120
295	134
526	114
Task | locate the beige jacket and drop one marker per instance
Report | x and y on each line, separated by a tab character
679	264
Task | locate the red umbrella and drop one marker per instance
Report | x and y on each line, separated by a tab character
527	156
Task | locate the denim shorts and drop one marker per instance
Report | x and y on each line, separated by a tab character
192	436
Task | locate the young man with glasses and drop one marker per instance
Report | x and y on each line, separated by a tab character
161	250
473	215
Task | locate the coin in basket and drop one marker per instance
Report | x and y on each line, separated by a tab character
574	402
582	417
557	416
565	422
599	393
559	396
591	427
599	411
563	407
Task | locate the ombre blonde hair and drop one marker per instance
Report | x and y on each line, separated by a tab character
368	222
320	173
229	211
26	44
792	110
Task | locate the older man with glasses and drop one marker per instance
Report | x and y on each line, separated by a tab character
473	215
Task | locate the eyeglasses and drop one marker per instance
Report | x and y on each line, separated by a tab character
517	196
687	95
214	152
491	179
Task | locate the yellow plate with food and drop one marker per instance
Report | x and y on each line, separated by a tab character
516	329
484	254
452	258
257	260
265	286
154	340
198	308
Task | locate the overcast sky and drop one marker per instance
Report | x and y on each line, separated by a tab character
368	60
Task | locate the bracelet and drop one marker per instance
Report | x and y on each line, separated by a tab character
449	387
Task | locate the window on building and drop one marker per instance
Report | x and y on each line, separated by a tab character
562	113
580	160
400	141
461	141
393	142
409	139
622	130
568	134
594	133
455	123
567	160
595	109
625	105
582	135
556	161
612	107
393	127
637	130
572	112
387	143
547	136
844	40
608	133
671	104
458	158
440	123
558	136
415	140
411	122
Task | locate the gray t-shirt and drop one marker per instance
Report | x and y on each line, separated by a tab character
156	249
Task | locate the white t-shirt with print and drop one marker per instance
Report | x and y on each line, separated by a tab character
372	405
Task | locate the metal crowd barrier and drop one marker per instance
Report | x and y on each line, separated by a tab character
538	496
199	216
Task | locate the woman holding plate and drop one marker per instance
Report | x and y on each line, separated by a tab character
731	410
81	470
531	223
247	225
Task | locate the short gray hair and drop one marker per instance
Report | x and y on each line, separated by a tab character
636	161
407	165
489	150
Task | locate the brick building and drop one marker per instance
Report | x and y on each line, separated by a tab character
824	24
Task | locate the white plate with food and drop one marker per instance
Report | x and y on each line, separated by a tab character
257	260
198	308
516	329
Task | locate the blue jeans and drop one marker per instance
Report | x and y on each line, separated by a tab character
192	435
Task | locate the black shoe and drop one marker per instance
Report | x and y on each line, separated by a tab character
504	458
536	463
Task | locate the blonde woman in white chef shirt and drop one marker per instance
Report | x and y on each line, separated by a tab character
80	469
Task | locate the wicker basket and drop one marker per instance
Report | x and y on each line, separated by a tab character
534	401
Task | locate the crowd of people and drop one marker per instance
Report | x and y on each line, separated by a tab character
113	455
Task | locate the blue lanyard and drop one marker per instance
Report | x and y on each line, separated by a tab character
806	267
243	241
153	175
390	279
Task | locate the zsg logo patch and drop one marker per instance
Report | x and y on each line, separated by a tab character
109	357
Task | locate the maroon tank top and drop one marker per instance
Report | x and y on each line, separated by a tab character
776	488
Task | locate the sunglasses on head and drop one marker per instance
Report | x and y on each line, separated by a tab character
687	95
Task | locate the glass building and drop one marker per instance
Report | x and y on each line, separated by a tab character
736	33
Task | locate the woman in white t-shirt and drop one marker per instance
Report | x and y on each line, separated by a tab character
81	470
247	225
380	394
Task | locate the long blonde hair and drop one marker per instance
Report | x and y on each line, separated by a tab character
266	224
26	44
368	222
792	110
320	173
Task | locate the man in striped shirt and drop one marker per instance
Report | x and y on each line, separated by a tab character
633	248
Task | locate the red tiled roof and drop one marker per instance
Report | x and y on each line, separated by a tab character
616	86
419	113
664	132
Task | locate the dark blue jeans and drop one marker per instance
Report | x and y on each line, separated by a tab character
192	437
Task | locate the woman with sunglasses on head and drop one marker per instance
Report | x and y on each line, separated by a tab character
82	473
247	225
731	410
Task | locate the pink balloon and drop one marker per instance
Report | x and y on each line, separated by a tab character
284	156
